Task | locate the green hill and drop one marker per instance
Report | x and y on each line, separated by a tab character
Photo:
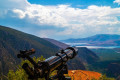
11	41
57	43
87	56
109	62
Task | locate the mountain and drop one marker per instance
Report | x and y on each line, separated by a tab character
57	43
110	68
109	62
113	69
73	64
97	40
87	56
107	43
12	41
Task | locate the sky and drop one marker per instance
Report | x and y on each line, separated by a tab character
61	19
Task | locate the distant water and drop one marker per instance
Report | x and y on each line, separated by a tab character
91	47
77	44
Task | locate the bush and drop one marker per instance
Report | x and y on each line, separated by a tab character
20	74
104	77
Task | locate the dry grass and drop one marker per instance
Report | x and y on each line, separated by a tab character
83	75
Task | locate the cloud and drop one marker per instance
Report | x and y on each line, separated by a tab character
42	15
64	15
73	21
12	4
117	1
20	13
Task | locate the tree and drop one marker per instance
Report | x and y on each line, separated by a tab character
20	74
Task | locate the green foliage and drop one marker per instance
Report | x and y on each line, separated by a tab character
94	79
104	77
11	41
17	75
107	54
20	74
108	63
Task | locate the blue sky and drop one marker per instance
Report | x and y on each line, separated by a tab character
76	3
62	19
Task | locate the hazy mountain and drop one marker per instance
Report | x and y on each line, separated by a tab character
107	43
57	43
98	40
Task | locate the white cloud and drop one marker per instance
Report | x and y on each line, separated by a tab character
75	21
117	1
12	4
64	15
20	13
42	15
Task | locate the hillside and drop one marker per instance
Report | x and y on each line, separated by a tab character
113	69
83	75
57	43
87	56
109	62
11	41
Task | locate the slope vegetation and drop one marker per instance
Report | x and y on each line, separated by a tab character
83	75
87	56
57	43
11	41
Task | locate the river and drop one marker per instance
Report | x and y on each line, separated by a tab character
84	45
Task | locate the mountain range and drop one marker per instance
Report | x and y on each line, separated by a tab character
109	58
97	40
85	55
12	41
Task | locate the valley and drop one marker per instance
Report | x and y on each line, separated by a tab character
102	59
106	47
